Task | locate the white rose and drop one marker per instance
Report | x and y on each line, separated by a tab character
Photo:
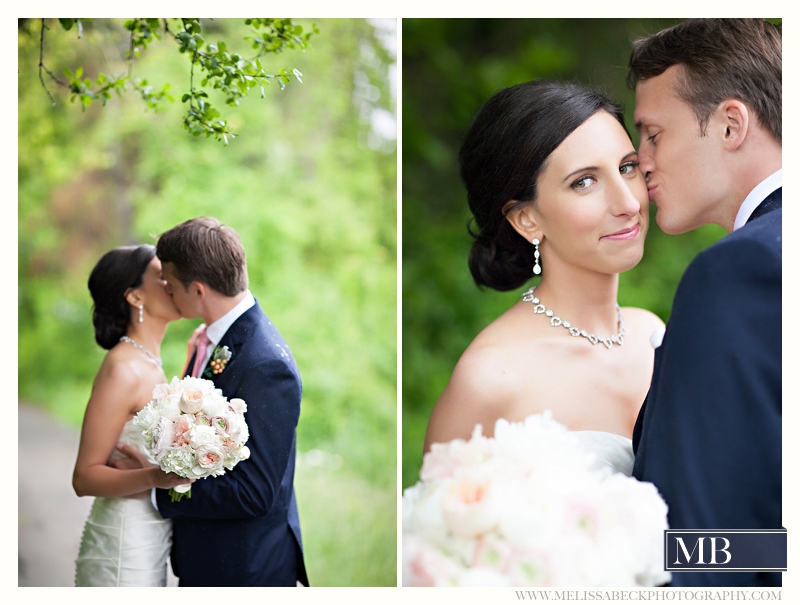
202	435
237	427
170	406
191	401
214	404
238	405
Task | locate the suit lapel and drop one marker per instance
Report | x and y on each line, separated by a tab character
772	202
236	336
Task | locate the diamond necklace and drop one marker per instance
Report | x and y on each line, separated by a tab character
556	321
155	359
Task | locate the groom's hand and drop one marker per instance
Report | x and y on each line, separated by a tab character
135	459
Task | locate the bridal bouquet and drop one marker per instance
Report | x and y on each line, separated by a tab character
192	430
529	508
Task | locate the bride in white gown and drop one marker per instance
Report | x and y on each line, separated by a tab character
553	183
125	540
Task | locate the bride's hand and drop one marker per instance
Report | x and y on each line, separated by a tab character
165	480
135	459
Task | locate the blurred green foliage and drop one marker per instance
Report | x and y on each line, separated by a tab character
309	184
450	68
209	64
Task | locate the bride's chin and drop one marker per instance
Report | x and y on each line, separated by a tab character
621	265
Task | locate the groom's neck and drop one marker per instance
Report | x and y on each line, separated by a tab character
218	305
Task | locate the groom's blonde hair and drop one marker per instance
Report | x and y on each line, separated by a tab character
203	249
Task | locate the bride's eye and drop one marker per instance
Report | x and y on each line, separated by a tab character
583	183
628	168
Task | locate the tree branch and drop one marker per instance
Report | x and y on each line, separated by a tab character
42	66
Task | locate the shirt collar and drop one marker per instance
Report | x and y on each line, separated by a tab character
217	330
756	196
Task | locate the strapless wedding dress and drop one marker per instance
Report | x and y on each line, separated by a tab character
125	541
610	450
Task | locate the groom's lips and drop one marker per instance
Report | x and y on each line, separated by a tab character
625	234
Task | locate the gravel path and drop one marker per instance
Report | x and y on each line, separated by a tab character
50	515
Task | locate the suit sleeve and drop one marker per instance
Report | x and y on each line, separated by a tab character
711	437
272	392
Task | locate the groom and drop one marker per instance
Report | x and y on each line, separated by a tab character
708	112
241	528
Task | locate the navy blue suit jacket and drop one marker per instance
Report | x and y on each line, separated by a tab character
709	433
242	528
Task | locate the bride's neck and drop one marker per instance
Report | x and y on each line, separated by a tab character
587	300
149	334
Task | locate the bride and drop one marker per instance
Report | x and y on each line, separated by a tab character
125	540
553	182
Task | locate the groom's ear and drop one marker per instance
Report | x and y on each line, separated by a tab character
198	290
524	220
734	120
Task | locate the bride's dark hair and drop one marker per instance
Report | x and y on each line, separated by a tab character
116	271
503	153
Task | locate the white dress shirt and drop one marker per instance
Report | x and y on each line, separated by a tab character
756	196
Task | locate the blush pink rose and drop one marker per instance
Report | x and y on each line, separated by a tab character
183	425
210	457
160	391
163	437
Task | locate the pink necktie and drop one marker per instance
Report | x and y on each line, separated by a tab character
200	356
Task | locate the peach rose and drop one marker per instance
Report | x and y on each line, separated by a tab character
191	401
468	507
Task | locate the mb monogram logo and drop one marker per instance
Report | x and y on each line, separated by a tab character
688	556
725	550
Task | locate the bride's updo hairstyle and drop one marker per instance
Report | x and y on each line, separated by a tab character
116	271
503	153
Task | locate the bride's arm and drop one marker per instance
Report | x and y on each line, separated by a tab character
473	396
116	395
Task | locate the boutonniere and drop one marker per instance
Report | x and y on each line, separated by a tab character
219	360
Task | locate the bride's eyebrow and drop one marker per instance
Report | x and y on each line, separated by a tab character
574	172
579	170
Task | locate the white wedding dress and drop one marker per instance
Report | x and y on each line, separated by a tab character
125	541
610	450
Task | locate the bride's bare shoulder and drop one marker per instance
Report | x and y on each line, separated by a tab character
124	375
642	320
482	387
